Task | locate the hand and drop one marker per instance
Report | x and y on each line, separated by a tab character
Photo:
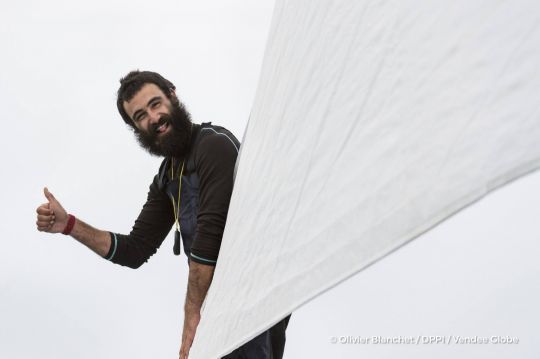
51	216
190	327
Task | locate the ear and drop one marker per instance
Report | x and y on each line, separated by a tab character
172	96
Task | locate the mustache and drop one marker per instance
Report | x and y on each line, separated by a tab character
175	143
165	119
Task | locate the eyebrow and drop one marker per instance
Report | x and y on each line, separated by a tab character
140	111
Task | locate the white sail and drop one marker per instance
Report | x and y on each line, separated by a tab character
373	122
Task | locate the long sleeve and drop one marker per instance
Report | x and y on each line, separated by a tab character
149	231
215	160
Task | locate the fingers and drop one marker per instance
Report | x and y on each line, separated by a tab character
185	347
184	350
43	229
44	210
45	217
184	353
44	224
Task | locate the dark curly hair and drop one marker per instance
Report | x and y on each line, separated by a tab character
133	82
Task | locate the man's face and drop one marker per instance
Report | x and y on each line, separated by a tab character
163	124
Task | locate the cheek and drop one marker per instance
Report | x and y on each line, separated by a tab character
142	126
165	109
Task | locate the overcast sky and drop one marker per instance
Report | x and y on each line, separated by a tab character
474	275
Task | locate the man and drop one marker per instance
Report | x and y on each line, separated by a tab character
192	190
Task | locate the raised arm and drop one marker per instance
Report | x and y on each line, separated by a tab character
133	250
53	218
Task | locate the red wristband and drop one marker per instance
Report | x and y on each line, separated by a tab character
70	224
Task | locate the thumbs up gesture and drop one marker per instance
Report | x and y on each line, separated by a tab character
51	216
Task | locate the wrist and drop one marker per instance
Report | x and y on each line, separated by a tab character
69	225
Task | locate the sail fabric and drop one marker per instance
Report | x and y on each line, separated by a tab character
373	121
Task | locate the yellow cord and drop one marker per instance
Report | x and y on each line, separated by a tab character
176	207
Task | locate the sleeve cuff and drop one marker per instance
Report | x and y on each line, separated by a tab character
202	260
112	249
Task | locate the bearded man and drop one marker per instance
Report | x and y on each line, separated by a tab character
191	190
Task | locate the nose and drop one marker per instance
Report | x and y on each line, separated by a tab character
153	116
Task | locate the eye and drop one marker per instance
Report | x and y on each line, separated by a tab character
155	104
140	117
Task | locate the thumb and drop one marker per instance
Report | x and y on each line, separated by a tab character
48	195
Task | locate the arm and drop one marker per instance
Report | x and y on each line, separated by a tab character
215	160
200	277
53	218
133	250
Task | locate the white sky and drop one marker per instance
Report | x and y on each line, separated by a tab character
475	275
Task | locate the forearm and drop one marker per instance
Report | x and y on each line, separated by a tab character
200	277
97	240
149	230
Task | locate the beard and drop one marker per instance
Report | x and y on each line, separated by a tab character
175	143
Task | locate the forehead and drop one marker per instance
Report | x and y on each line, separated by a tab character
142	97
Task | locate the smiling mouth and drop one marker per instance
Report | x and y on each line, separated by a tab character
162	128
